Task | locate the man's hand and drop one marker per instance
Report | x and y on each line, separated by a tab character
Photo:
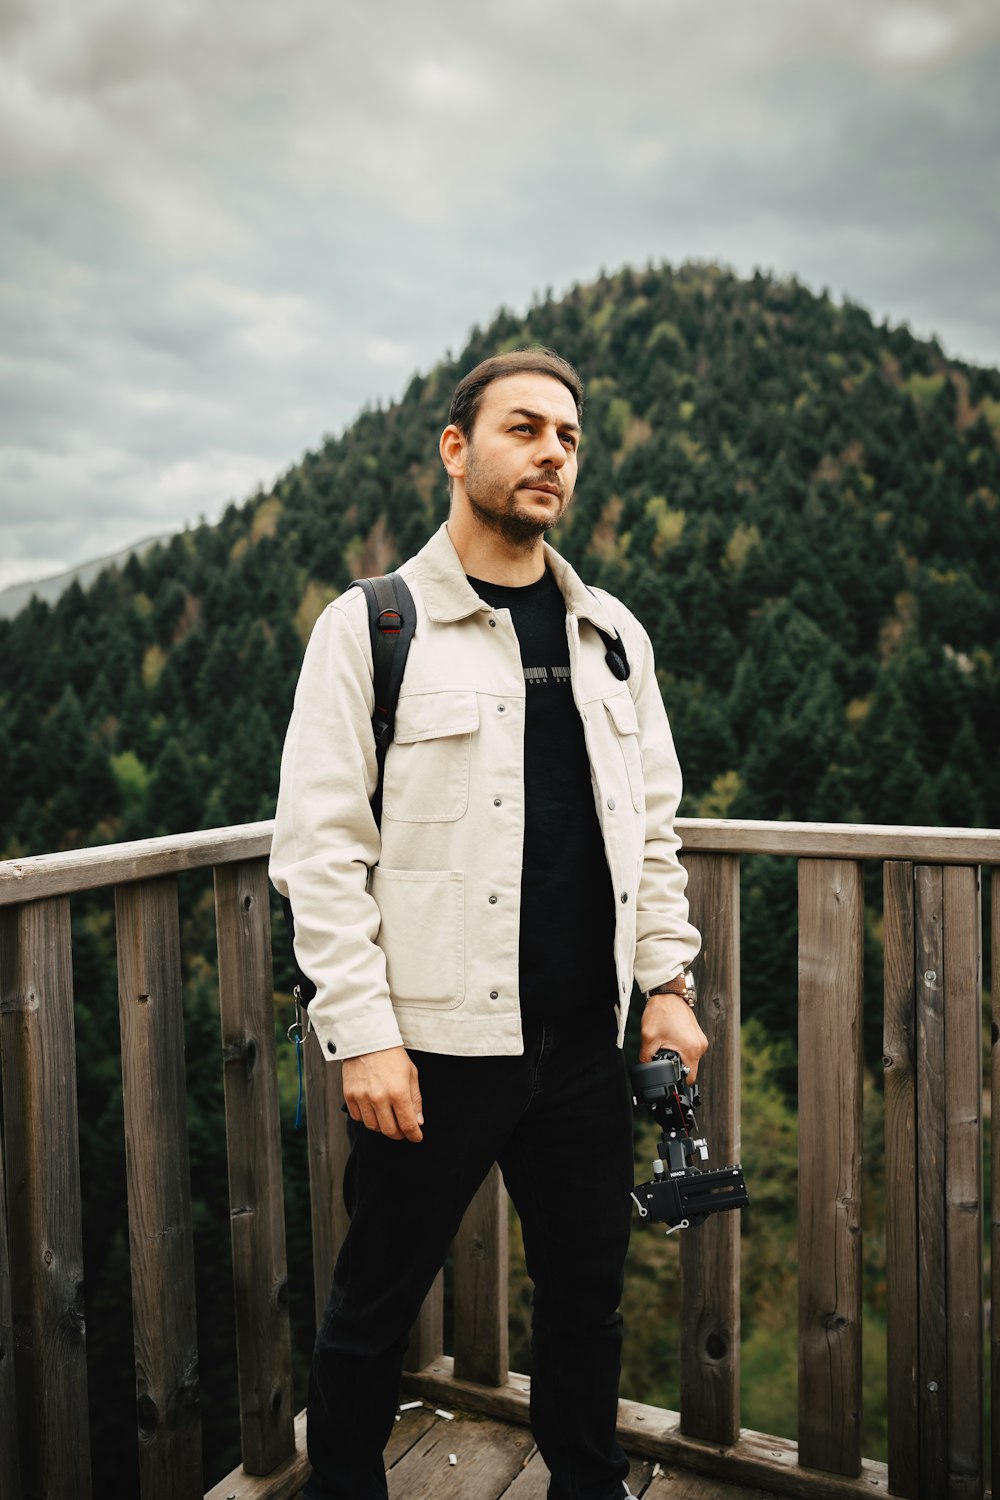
382	1091
668	1021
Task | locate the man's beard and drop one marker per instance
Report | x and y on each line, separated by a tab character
496	506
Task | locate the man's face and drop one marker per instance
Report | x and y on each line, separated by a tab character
520	462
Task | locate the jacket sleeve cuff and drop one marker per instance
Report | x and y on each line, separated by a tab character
371	1028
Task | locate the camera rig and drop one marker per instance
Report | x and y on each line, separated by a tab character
679	1194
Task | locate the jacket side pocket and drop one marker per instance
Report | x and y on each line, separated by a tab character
422	934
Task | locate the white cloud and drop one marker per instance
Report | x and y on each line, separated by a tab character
913	34
226	227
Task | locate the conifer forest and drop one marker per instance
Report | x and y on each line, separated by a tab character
802	506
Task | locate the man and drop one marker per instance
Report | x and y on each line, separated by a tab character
474	956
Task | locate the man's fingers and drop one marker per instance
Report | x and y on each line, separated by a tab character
382	1092
409	1119
387	1120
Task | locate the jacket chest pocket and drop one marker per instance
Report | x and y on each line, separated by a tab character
427	764
625	730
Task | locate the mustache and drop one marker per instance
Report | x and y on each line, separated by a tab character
551	481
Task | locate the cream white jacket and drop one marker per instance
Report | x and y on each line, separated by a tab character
411	935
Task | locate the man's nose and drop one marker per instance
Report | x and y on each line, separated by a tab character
550	449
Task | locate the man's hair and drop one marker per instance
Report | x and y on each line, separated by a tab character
537	361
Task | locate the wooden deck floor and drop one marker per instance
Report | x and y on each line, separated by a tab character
498	1459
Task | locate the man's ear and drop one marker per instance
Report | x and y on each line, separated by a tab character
452	448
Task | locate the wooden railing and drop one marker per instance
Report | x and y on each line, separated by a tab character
933	1146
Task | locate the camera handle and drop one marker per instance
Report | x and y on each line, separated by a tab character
680	1194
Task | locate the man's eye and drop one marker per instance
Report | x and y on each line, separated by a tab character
569	440
522	427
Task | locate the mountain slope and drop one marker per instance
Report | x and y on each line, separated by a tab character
801	505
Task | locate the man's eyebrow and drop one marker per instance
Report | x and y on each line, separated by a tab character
537	416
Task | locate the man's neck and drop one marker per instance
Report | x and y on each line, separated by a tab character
486	555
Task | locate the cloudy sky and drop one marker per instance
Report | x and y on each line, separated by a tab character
225	227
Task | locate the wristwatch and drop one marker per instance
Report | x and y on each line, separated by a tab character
682	985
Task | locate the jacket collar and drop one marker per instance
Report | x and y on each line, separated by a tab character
448	595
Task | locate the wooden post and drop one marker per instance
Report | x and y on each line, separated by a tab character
328	1152
10	1468
831	911
159	1191
949	1134
995	1181
480	1286
710	1255
43	1199
963	1187
931	1184
427	1338
900	1063
253	1133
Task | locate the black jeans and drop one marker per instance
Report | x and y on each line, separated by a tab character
558	1120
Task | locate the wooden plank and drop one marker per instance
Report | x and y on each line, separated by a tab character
140	859
488	1455
964	1153
841	840
756	1459
533	1481
286	1481
253	1133
710	1254
479	1266
680	1484
10	1466
931	1183
143	859
899	1061
159	1191
995	1180
41	1141
831	948
283	1483
408	1428
328	1150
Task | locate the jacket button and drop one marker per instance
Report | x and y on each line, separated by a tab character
331	1047
497	802
624	897
493	901
494	994
501	708
611	803
493	624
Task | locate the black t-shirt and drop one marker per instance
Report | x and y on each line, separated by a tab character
567	911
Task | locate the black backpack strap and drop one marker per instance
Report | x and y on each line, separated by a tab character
392	619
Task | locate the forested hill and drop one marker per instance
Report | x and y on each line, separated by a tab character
801	505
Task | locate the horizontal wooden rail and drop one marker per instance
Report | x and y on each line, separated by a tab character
938	846
118	864
145	859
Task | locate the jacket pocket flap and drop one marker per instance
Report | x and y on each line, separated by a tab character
431	716
622	710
